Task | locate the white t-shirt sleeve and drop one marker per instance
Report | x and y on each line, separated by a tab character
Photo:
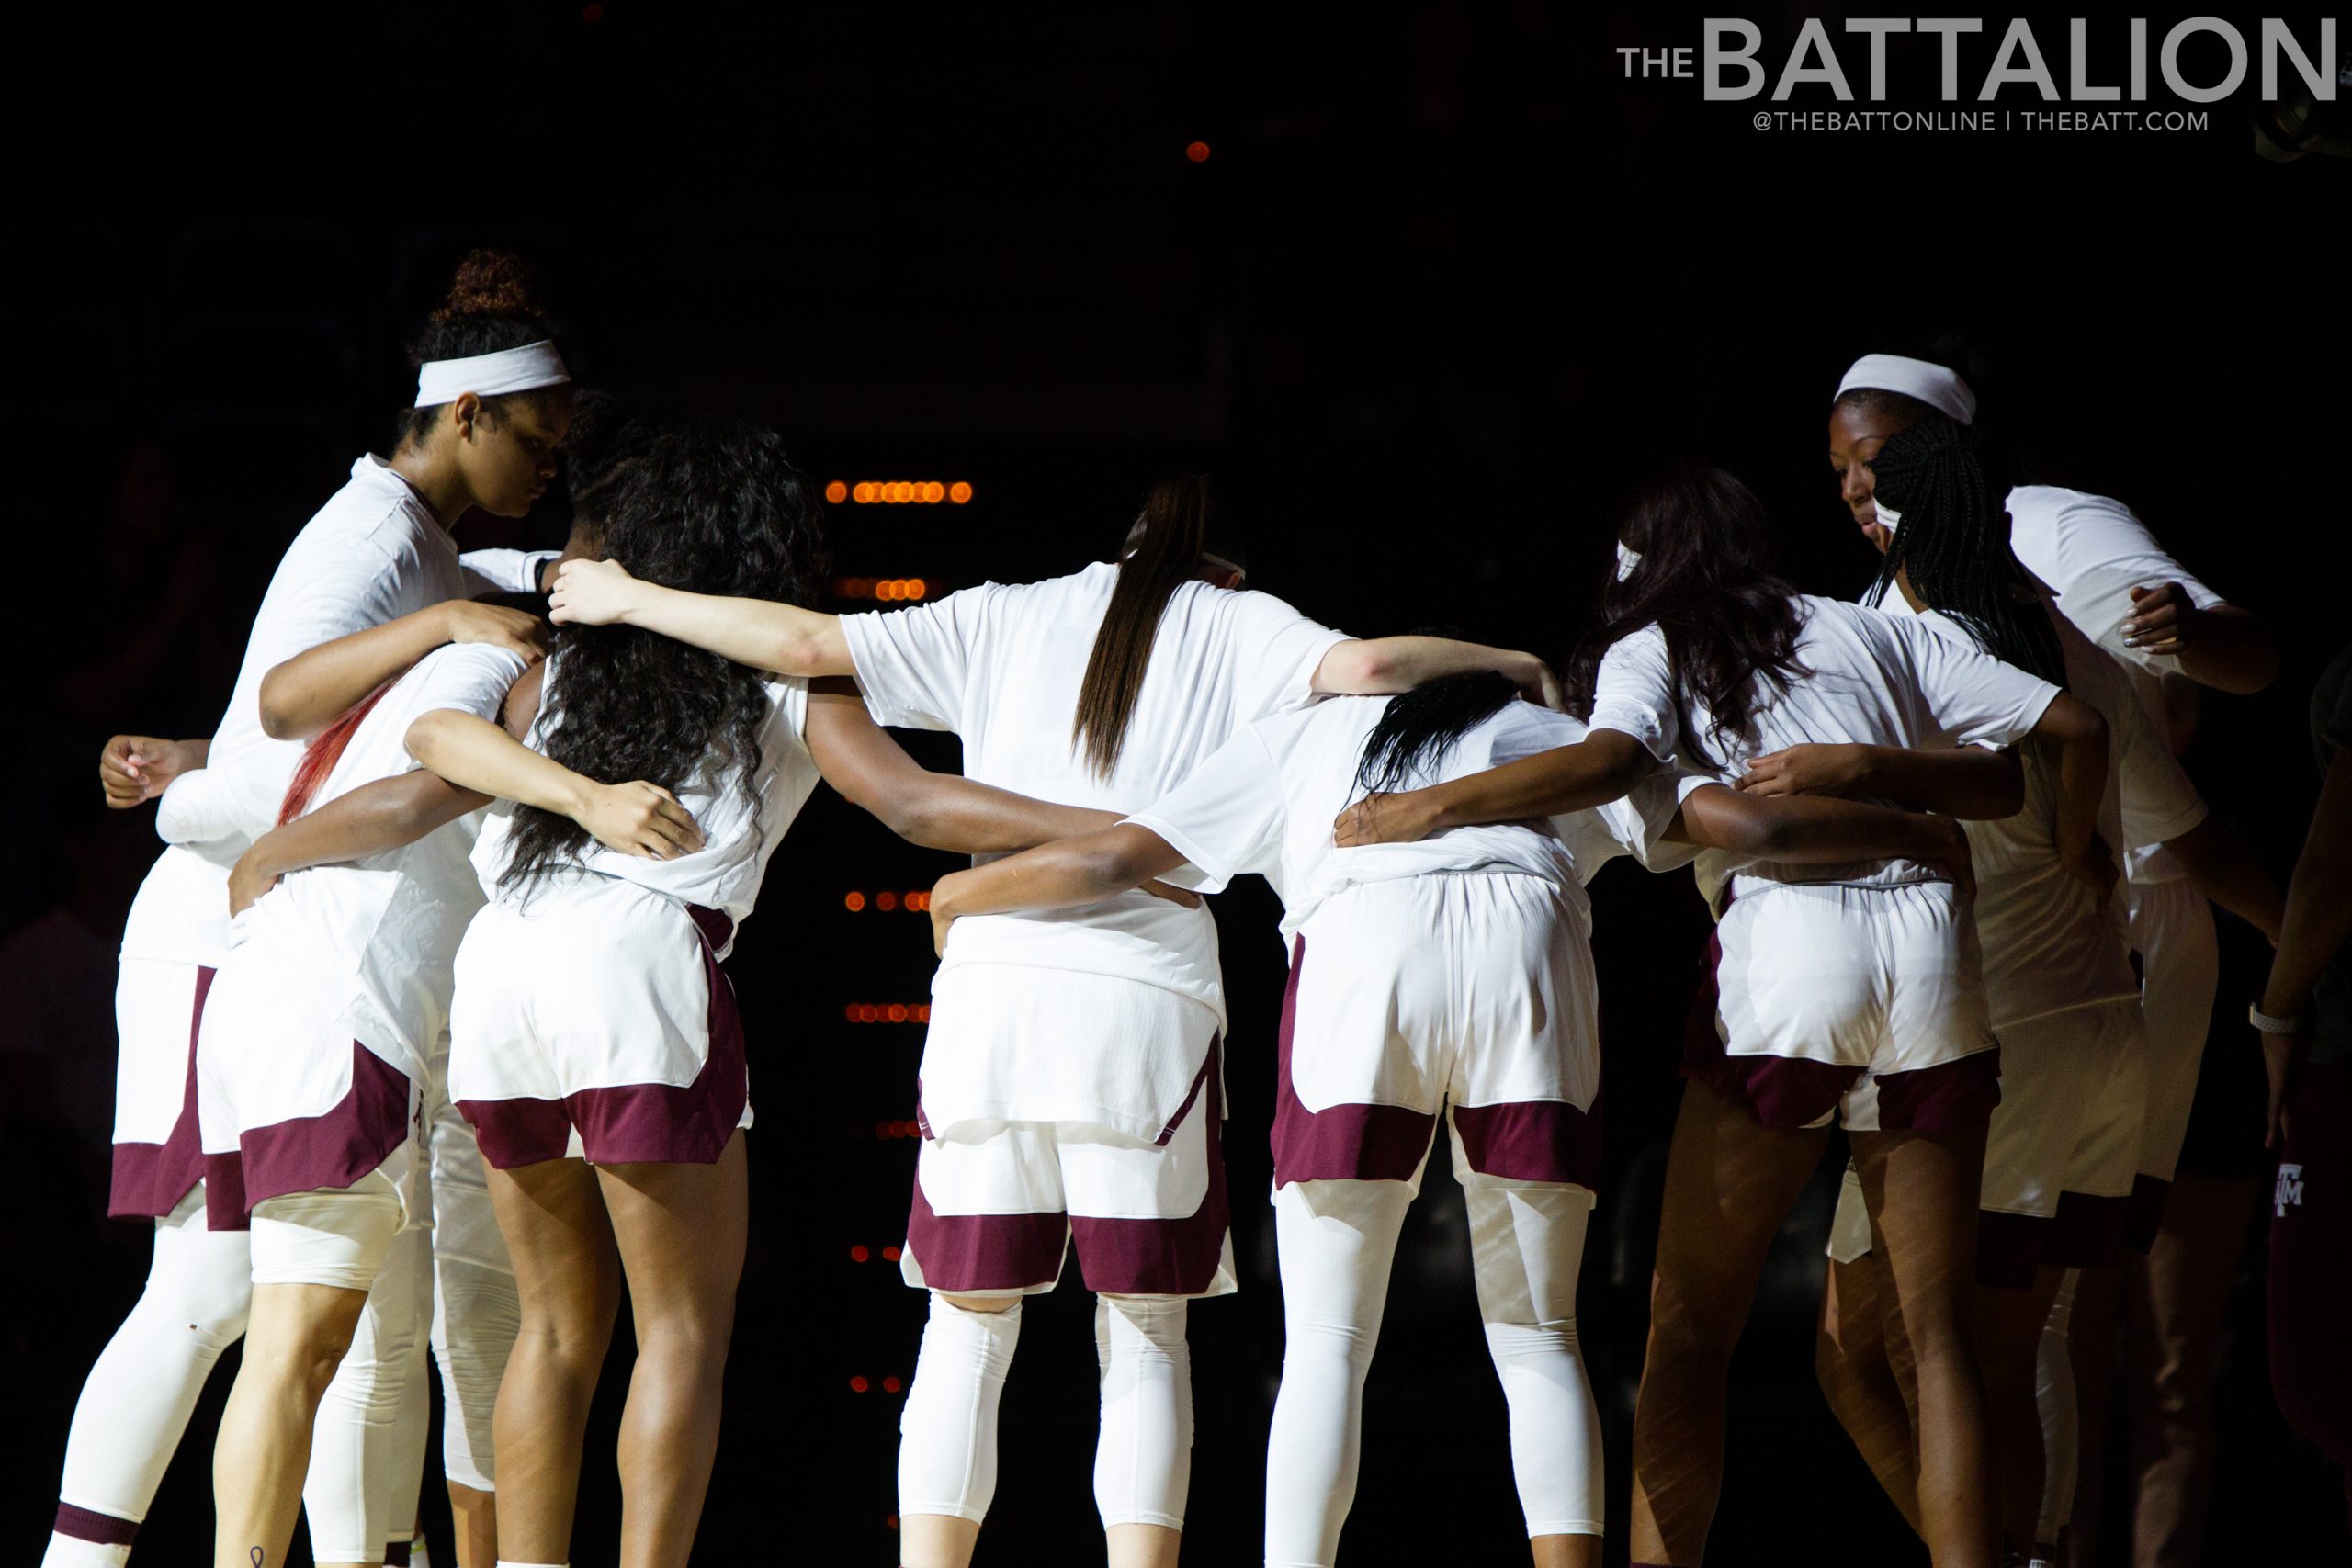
1970	698
1227	818
504	571
1633	692
1637	821
789	696
913	664
197	809
469	677
2092	551
348	592
1276	652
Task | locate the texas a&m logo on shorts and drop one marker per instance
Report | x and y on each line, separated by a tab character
2291	1189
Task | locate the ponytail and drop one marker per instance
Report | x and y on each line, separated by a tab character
1419	727
1163	551
324	752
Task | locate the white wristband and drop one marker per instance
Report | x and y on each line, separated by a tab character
2269	1025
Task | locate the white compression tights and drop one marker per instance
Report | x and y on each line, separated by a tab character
1143	1462
1338	1241
367	1446
2060	1418
137	1401
947	1430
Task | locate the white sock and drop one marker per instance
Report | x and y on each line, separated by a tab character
2054	1392
72	1552
1143	1461
947	1430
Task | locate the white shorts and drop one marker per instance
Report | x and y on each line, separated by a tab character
158	1152
593	1021
996	1206
335	1238
1867	1000
2171	928
1475	990
2073	1085
465	1230
283	1085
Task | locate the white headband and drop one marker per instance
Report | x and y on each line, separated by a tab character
523	369
1932	383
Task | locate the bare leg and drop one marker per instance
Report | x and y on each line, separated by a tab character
298	1336
1141	1546
475	1514
567	1273
1729	1183
2008	1343
2093	1337
2175	1300
681	1229
1855	1363
1922	1190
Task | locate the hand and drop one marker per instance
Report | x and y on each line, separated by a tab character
134	769
1946	850
1537	684
2091	863
2163	619
1183	897
590	593
2280	1056
252	875
1831	769
639	819
516	631
1400	818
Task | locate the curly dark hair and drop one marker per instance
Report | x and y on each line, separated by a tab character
602	450
711	508
493	304
1730	625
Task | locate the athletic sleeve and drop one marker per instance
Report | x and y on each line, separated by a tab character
1275	653
197	809
504	571
1227	818
469	677
914	664
1966	698
1633	692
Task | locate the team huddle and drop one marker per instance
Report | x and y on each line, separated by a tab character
425	1040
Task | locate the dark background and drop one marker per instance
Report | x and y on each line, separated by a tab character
1445	284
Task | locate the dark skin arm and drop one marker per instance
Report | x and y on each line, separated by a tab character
1968	782
1597	769
2318	923
2226	647
312	690
2221	867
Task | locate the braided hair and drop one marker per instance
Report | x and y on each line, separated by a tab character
1947	481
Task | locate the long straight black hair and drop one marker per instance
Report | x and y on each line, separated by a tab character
1182	520
1704	540
1948	482
1419	727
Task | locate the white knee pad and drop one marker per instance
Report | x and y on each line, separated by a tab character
1143	1461
477	1313
2053	1392
947	1430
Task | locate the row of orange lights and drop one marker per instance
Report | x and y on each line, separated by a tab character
888	1012
862	1253
887	901
897	493
862	1384
884	588
886	1131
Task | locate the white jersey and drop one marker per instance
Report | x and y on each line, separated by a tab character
740	830
373	553
1265	801
2048	945
2091	552
1864	676
1001	666
386	927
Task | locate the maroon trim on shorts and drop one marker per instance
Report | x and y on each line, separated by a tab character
2143	1212
334	1148
2088	1231
2009	1247
150	1180
1777	1091
225	1207
88	1524
1164	1258
636	1124
396	1553
1339	1143
1957	1096
1119	1256
1532	1140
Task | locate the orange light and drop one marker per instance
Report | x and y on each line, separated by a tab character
886	902
1198	151
891	1520
863	492
837	493
932	491
858	1385
917	588
917	901
890	1385
858	1253
853	902
896	1012
922	1013
959	492
889	1255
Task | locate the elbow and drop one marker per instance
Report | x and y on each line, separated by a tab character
1357	667
2072	722
1105	866
423	739
278	720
